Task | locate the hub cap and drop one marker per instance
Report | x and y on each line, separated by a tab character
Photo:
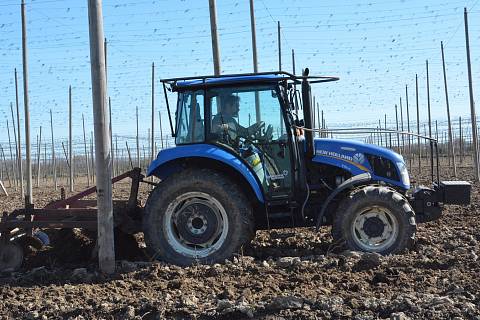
374	228
195	224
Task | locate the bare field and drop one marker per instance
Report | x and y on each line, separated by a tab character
284	274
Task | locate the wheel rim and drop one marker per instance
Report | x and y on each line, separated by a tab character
195	224
374	228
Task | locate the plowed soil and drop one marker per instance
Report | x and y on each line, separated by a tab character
284	274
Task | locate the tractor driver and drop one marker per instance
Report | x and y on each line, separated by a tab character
225	122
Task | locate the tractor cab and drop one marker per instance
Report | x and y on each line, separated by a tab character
245	120
254	117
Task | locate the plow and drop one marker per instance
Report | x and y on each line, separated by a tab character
23	227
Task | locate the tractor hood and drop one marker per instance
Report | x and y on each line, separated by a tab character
358	157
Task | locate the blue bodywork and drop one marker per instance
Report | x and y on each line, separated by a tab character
208	151
346	154
351	156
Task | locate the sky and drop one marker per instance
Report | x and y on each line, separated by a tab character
375	47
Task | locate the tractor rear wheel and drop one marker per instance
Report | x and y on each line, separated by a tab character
197	216
375	219
11	256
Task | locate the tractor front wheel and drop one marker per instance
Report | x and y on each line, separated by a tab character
375	219
197	216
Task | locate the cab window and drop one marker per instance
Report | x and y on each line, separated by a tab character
190	117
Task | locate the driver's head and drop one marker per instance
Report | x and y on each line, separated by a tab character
230	105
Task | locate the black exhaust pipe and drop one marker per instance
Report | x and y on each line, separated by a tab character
307	114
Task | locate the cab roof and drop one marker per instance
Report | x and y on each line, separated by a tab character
181	84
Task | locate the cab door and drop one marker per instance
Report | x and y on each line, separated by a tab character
268	151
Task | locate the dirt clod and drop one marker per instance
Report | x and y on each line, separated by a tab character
284	274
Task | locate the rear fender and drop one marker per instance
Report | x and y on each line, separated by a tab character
169	161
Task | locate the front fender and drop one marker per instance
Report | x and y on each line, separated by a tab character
209	152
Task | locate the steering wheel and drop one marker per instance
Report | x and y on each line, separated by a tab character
255	132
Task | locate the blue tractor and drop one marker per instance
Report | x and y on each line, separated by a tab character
246	159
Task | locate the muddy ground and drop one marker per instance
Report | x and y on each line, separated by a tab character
285	274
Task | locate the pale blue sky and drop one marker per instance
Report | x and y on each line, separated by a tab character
375	47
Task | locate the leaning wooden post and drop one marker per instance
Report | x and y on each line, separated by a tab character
450	139
472	103
129	155
54	161
29	196
106	252
11	157
418	125
5	166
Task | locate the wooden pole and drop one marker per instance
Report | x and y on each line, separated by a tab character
92	156
86	152
39	149
161	130
380	132
418	125
461	138
214	35
153	115
472	103
137	142
428	103
110	130
279	40
106	252
402	149
20	162
408	129
319	119
28	163
396	120
17	173
255	59
54	161
45	162
70	139
452	148
116	153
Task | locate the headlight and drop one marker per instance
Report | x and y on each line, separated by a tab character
403	173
